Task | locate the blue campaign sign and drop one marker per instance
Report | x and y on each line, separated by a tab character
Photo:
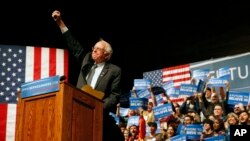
123	111
145	93
235	97
179	138
194	131
140	84
201	74
173	92
188	89
117	119
159	98
136	103
215	138
124	99
201	86
167	85
162	111
224	73
133	120
42	86
217	82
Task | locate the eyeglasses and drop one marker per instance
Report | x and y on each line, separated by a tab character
98	49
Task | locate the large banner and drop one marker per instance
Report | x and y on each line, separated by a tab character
238	65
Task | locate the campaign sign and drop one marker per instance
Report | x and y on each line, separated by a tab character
123	111
201	74
215	138
136	103
217	82
133	120
42	86
201	86
145	93
162	111
124	99
238	132
140	84
117	119
181	129
167	85
235	97
159	98
188	89
224	73
194	131
179	138
173	92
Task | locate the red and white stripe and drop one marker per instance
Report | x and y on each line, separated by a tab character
44	62
179	74
7	122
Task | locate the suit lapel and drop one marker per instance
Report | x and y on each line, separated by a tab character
103	73
85	70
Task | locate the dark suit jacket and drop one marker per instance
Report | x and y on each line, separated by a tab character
109	79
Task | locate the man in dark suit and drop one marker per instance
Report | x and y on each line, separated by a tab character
106	76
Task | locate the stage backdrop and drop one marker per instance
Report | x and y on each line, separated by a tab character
19	64
238	65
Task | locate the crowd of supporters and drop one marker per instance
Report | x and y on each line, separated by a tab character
208	109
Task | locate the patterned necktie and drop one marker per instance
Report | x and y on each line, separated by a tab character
91	74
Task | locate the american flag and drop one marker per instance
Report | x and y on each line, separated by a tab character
179	74
20	64
154	76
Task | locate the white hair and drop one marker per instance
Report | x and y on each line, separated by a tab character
108	48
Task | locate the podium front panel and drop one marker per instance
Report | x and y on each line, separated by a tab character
67	115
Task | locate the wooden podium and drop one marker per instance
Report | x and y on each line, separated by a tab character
69	114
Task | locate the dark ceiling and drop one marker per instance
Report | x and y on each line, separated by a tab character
144	36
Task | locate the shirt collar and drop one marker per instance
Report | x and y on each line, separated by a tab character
100	64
